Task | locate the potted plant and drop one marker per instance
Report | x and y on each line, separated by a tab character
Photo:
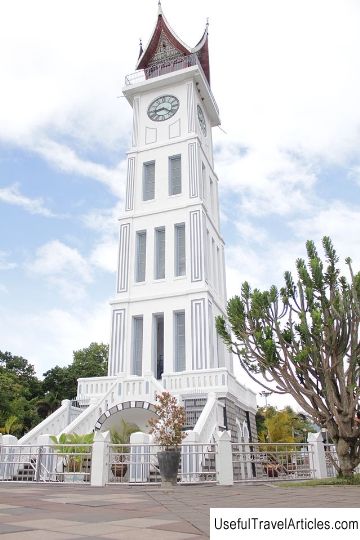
121	437
168	433
69	445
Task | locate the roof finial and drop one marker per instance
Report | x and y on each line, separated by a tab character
207	22
141	49
159	8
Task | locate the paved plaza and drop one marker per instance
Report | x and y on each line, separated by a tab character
62	512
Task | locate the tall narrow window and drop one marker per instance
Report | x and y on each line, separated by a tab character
203	181
149	181
180	259
137	345
179	340
214	264
219	270
212	202
174	175
160	253
140	262
158	344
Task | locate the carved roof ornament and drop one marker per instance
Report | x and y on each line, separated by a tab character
165	45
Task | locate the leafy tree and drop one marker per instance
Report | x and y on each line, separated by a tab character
304	340
18	388
11	425
281	426
61	382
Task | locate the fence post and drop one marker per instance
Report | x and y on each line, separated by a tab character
224	462
190	459
10	457
140	457
46	461
318	454
100	459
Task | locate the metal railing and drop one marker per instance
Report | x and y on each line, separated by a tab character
271	461
168	66
138	463
47	463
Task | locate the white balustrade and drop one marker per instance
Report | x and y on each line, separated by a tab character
53	424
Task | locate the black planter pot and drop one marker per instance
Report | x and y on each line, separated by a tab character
169	461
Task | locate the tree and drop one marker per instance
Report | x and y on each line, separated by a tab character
19	386
61	382
282	426
11	426
304	340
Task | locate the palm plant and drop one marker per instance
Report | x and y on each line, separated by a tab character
69	445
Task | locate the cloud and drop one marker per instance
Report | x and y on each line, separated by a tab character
5	264
49	337
339	221
12	195
68	161
63	267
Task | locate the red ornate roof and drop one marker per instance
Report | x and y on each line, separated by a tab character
165	45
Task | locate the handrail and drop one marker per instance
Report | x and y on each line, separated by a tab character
168	66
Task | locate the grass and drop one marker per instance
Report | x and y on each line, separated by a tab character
354	481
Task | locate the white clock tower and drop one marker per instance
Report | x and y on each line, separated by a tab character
171	273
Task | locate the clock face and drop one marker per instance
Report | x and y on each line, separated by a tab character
163	108
201	118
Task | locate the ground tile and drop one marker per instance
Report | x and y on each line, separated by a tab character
141	522
95	528
148	534
38	535
180	526
48	524
10	528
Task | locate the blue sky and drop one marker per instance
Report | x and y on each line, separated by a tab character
286	77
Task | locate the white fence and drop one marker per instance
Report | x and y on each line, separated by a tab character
47	463
220	461
269	461
138	463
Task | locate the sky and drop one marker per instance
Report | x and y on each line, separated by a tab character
286	77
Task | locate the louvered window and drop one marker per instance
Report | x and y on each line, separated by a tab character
174	175
179	340
140	263
180	260
137	345
160	253
149	181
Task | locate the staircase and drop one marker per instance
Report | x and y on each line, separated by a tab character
26	472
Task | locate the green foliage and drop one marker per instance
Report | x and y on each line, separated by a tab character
11	426
61	382
23	395
337	481
304	340
69	445
282	426
122	436
18	388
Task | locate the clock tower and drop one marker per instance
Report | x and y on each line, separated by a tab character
170	282
171	274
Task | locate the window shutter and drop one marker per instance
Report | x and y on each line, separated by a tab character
149	181
160	253
180	341
175	175
180	258
137	345
140	256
